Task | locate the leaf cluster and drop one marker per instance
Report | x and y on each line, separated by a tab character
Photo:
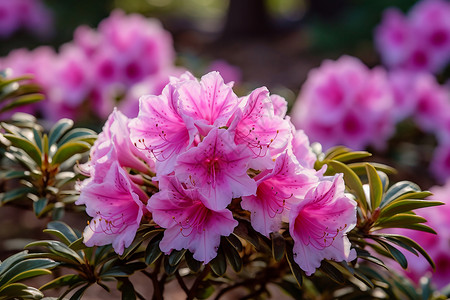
39	166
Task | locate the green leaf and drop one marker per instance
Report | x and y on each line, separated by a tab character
332	272
415	195
78	244
376	187
232	255
137	242
397	190
153	252
234	240
394	253
192	263
295	269
30	273
352	181
219	263
13	259
68	150
79	293
65	280
60	249
31	149
354	155
38	139
399	220
65	230
78	134
336	151
19	291
11	174
15	194
413	244
402	206
363	278
170	270
123	270
22	100
127	289
176	256
26	265
360	168
278	245
58	130
39	205
245	231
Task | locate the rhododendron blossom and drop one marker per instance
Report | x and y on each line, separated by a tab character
343	102
319	223
189	223
116	208
277	191
217	168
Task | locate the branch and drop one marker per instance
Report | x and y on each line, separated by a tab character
198	280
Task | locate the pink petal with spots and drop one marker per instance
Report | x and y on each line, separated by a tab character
218	168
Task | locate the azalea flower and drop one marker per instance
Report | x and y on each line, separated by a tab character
277	191
116	207
217	167
189	223
319	223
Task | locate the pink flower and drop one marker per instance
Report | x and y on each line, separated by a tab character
116	209
277	191
217	167
258	128
440	164
229	73
343	102
210	102
319	223
393	37
189	222
302	150
115	137
160	130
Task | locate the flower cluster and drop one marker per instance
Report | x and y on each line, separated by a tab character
99	66
31	15
200	153
344	102
419	41
420	97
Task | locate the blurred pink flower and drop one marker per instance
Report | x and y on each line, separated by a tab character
116	209
217	167
419	42
440	164
32	15
228	72
343	102
189	222
278	190
319	223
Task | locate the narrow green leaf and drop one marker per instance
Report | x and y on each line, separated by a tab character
354	155
295	269
278	245
399	220
336	151
11	174
363	278
332	272
19	291
415	195
352	181
376	187
15	194
61	127
245	231
12	260
65	230
39	205
22	100
397	190
234	240
68	150
29	274
26	265
394	253
153	252
78	244
79	293
360	168
78	134
38	139
219	263
232	255
61	281
402	206
58	248
31	149
127	289
192	263
176	256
